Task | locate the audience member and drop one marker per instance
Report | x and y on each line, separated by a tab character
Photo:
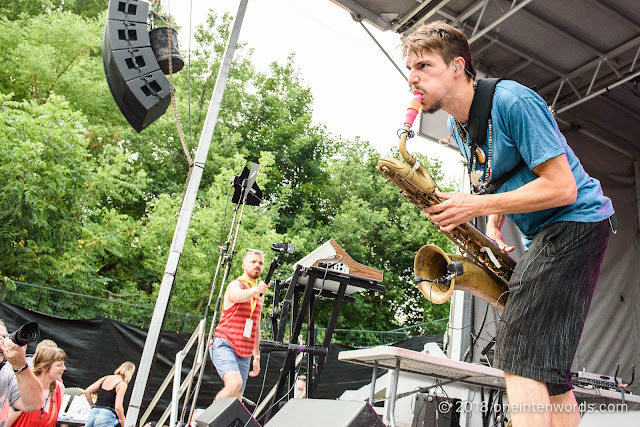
301	387
43	343
109	406
20	388
48	367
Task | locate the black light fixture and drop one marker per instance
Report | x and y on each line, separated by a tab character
163	48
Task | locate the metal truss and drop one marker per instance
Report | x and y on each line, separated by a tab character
568	89
620	64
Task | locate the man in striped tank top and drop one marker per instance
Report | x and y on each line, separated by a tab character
237	337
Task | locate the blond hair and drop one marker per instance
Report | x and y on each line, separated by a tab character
126	371
443	39
253	251
44	358
46	343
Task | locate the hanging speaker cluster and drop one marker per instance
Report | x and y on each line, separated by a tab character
135	79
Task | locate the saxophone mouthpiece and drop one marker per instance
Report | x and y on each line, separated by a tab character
414	107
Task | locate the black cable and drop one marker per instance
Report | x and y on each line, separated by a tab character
264	379
475	336
283	396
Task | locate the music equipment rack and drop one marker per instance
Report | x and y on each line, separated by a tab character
308	282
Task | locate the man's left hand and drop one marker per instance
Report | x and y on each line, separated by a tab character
256	368
457	208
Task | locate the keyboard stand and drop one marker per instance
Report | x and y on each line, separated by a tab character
309	281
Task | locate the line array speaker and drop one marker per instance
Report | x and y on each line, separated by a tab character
137	84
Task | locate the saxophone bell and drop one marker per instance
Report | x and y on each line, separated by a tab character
442	273
454	269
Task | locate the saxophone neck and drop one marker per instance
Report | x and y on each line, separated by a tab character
402	146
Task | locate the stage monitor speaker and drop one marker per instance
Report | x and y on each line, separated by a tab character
616	417
430	411
323	413
137	85
226	412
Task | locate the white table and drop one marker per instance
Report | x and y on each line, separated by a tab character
400	359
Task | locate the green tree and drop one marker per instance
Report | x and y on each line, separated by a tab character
44	161
56	194
90	205
378	227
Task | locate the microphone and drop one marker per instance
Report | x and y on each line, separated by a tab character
283	247
488	347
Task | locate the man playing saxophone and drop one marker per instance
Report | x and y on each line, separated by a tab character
559	209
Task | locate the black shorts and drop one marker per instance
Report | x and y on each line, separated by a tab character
549	295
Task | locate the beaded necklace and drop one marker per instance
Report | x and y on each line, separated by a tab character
45	404
478	181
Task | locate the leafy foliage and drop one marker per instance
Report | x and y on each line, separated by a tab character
90	206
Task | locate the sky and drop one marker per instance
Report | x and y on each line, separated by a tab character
357	91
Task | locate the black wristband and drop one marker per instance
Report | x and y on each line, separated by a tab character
25	366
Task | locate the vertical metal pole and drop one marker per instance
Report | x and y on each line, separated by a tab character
175	391
636	173
394	391
184	219
460	315
374	377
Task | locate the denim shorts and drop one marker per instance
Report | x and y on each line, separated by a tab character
225	360
549	296
101	417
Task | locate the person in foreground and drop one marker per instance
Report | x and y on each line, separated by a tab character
560	211
48	367
19	387
111	389
237	336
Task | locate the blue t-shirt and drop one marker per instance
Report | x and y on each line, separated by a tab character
523	127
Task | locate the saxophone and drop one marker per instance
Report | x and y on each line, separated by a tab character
483	272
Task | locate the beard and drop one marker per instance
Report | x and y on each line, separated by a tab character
437	106
255	275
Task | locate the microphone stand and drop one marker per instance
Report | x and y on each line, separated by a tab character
227	252
275	264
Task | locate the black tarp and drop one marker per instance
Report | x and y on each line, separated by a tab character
96	347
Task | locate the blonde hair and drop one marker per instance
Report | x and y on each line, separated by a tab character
46	343
253	251
126	371
443	39
44	358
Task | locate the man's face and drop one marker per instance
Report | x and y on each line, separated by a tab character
253	265
429	75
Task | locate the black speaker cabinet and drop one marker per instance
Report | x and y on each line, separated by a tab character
226	412
324	413
436	411
140	89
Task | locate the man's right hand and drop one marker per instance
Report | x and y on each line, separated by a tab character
262	288
15	354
